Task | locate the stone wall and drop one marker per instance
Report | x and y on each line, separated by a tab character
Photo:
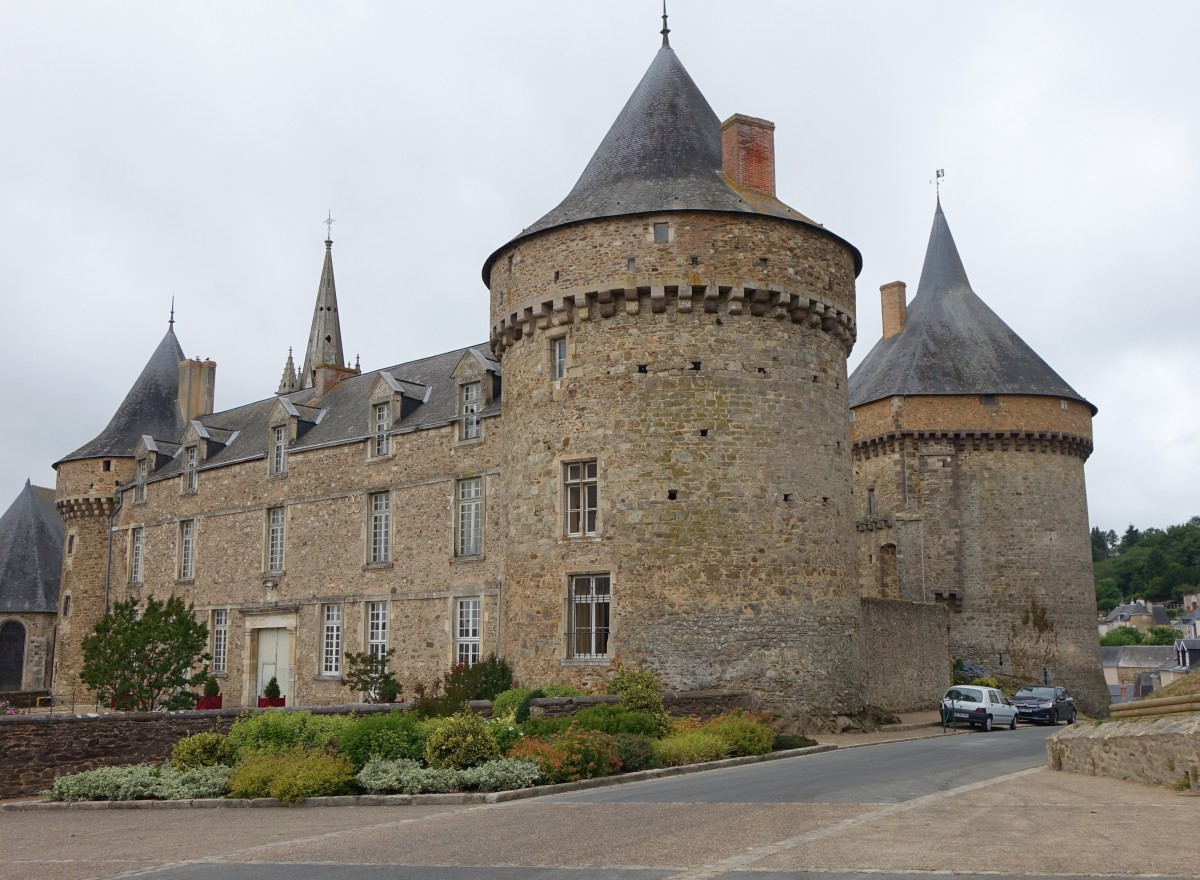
38	648
1165	751
907	661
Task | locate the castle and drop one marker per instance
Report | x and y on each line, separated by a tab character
657	457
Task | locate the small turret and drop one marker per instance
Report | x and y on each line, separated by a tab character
289	382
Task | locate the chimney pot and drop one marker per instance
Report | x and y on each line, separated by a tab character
748	152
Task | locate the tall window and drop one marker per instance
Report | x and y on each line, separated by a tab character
470	517
870	502
331	643
377	628
135	555
279	449
466	641
139	490
582	499
558	356
469	405
383	421
381	527
189	472
275	539
220	639
187	550
590	601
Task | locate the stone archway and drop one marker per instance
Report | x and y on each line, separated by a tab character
12	656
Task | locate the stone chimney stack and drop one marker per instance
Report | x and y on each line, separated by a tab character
328	375
197	388
895	308
748	152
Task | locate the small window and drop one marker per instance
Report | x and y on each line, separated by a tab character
377	628
988	400
558	357
470	517
590	602
662	232
189	472
67	605
382	422
470	402
631	265
139	489
70	545
467	637
136	541
275	539
381	528
870	502
279	449
331	642
187	550
220	639
582	491
107	465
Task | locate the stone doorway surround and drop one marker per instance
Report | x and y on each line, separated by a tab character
254	625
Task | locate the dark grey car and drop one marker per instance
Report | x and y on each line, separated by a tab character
1044	704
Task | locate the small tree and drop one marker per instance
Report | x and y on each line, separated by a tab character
142	661
1161	635
1121	636
369	674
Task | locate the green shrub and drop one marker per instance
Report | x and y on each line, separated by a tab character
638	691
513	702
576	753
211	687
503	774
141	782
460	741
291	775
201	750
489	678
271	691
986	681
693	747
320	731
462	683
544	727
406	777
369	675
788	741
505	732
389	736
616	719
277	730
742	734
636	752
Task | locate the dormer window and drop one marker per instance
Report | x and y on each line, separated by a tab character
278	449
470	402
139	488
382	421
189	470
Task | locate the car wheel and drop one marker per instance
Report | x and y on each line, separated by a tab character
987	723
1072	721
1053	722
1012	725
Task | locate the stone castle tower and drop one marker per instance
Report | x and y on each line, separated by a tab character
673	341
969	483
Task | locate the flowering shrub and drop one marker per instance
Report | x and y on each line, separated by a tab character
7	708
964	671
576	753
460	741
140	782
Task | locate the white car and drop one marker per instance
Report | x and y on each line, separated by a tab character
979	706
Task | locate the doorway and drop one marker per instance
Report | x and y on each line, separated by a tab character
12	656
273	659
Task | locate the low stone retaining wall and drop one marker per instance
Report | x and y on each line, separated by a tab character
1163	751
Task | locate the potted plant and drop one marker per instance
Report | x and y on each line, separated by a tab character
270	697
212	695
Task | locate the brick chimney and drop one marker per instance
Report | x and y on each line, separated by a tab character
895	308
329	375
197	388
748	152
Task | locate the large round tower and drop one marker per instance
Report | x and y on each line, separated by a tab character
968	455
673	341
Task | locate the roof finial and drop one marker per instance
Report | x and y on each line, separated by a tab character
666	30
937	182
171	322
329	221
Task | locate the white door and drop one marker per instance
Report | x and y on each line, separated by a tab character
273	659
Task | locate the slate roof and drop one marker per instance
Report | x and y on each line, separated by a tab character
952	342
342	415
1137	656
1124	612
151	407
31	543
663	153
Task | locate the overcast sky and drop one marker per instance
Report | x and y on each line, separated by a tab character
157	149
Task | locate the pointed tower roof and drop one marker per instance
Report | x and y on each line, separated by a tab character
952	343
31	539
663	153
151	407
325	337
288	383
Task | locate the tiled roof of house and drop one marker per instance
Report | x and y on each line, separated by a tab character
31	545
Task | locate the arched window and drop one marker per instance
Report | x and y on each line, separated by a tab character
12	656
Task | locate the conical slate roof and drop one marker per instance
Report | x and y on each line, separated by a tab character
31	539
952	342
663	153
325	336
151	407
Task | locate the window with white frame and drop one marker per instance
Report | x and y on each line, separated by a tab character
590	601
331	641
466	633
275	538
470	402
139	489
220	639
382	421
187	550
470	517
558	357
136	539
377	628
381	528
278	449
582	497
189	471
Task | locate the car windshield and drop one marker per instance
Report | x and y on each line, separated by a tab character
1037	693
965	695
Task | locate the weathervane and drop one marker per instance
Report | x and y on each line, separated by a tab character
937	180
329	221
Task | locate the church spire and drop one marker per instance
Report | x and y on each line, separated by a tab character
325	337
289	382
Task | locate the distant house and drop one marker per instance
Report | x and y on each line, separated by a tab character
1190	622
1138	614
1134	671
1186	661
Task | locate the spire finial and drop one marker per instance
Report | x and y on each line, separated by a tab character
171	322
937	182
666	30
329	221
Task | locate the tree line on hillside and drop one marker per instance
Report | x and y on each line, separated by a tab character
1150	564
